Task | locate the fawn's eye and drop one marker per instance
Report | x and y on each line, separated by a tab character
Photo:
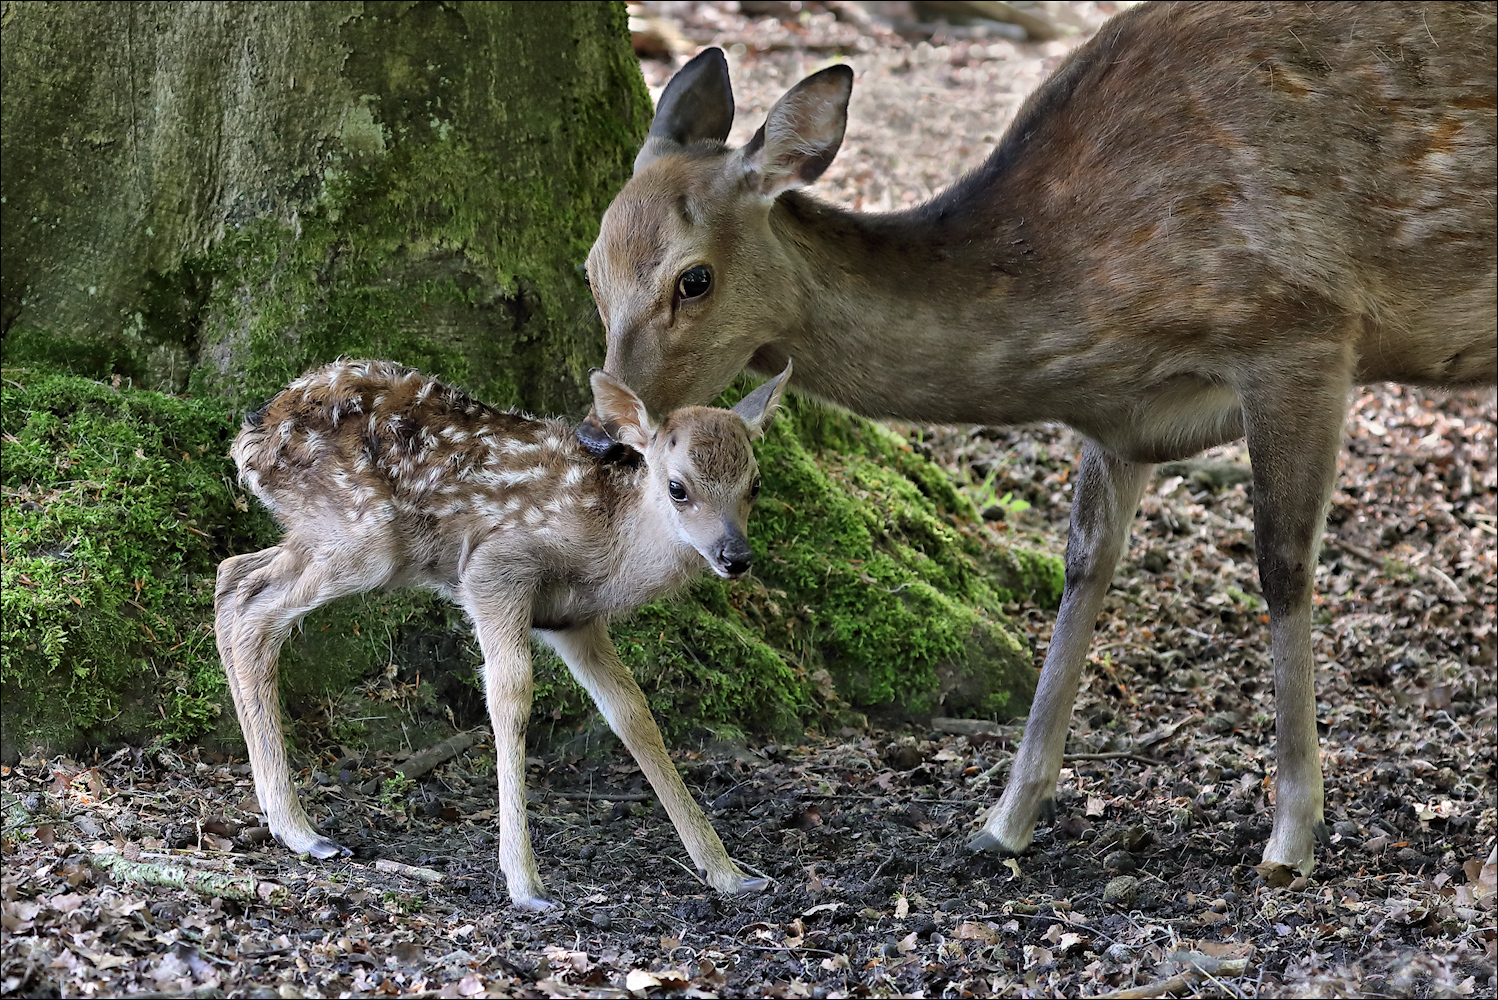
754	488
694	282
678	492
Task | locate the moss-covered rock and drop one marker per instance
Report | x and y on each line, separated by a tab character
876	590
417	182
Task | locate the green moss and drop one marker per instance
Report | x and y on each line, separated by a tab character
439	224
118	505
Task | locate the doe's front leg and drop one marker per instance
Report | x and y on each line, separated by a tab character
589	653
502	623
1107	493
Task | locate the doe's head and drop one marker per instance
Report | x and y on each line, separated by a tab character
700	467
689	279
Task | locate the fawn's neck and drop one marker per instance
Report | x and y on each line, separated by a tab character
646	558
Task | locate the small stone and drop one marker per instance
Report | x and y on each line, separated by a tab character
925	928
1118	953
993	512
1219	905
1121	861
603	921
1345	828
1121	891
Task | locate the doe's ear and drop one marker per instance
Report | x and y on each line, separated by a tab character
622	414
757	409
801	134
697	104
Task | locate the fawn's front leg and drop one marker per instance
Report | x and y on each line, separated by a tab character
1107	494
589	653
1294	423
501	618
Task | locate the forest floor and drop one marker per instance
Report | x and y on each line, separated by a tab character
1144	885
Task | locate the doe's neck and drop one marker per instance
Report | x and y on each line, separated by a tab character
912	314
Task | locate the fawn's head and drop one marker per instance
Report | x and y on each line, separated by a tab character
683	270
700	468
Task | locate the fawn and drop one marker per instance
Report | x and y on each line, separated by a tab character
1211	221
383	477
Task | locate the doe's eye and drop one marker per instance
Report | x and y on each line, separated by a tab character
694	282
678	492
754	489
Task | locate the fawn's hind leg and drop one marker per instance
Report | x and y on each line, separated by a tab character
231	573
267	602
590	655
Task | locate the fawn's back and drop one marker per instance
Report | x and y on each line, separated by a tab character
376	452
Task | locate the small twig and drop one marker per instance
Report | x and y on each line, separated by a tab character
1114	755
865	797
594	796
420	763
689	871
238	887
1159	989
408	871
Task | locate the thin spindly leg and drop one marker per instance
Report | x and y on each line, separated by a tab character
268	602
501	619
1107	495
590	654
231	573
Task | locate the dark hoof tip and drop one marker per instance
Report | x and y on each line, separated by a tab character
323	849
985	841
1047	813
1323	834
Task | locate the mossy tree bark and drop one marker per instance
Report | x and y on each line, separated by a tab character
204	199
221	194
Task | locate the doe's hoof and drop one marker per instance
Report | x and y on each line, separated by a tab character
749	886
536	904
322	848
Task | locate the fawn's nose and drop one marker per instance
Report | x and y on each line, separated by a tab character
734	555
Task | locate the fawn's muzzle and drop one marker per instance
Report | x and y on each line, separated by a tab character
734	554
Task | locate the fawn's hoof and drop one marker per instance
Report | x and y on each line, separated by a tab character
1007	836
734	882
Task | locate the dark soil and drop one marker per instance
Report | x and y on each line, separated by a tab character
1146	878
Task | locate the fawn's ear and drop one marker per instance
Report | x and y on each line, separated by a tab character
758	408
623	415
697	104
801	134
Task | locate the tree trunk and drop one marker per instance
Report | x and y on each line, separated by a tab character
202	200
223	194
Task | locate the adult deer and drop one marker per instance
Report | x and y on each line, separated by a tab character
383	477
1209	223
